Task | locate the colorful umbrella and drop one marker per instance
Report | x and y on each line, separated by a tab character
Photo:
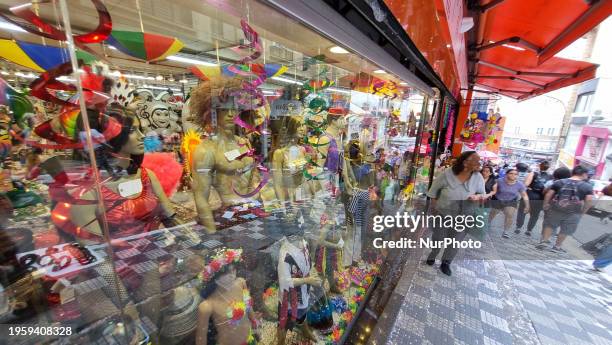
206	72
143	45
37	56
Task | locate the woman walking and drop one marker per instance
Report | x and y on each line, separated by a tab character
490	181
509	190
455	192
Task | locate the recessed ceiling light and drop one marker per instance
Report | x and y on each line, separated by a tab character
403	83
159	77
338	50
184	81
5	73
170	78
448	46
380	71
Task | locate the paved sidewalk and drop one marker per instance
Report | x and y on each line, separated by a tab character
531	297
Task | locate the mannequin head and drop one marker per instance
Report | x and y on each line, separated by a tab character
202	101
130	141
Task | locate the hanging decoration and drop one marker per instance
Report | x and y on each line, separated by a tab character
38	57
143	45
37	26
191	140
17	102
493	126
473	131
449	127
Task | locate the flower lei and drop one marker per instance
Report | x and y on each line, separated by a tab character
222	258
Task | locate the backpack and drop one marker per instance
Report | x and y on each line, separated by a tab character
567	199
539	180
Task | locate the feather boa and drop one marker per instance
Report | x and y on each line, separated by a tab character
167	170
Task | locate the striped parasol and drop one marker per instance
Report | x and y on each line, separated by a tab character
37	56
143	45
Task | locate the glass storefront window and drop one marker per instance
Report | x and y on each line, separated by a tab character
219	190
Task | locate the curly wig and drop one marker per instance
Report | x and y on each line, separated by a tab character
202	97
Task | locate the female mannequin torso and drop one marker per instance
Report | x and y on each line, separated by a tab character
216	306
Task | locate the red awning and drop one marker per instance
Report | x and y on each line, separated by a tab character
514	73
517	41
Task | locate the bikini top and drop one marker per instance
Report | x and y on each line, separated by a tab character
237	310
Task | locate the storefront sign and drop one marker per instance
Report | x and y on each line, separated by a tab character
593	148
283	107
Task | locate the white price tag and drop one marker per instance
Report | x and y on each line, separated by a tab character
130	188
232	155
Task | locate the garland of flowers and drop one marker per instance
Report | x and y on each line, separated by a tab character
220	259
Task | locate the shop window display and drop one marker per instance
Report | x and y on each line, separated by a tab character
206	186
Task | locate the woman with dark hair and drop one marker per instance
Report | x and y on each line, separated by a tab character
490	181
454	193
526	178
509	190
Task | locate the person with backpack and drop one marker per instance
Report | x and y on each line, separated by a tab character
535	192
564	204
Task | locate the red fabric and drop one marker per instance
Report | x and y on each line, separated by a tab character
125	216
156	45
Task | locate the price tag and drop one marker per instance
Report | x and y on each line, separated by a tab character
232	155
228	215
130	188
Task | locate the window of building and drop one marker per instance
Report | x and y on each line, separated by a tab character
517	130
539	130
583	104
550	131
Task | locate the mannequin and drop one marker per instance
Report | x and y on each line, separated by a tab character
294	280
126	214
227	307
326	144
329	251
213	163
288	162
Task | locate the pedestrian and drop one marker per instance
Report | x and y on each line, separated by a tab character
535	192
604	258
509	190
524	176
564	204
457	190
490	181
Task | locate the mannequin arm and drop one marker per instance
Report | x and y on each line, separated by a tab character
277	175
160	194
203	164
204	313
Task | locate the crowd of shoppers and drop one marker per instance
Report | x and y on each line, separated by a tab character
516	192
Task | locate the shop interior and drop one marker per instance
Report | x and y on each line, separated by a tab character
188	172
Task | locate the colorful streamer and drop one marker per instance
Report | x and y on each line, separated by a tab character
38	26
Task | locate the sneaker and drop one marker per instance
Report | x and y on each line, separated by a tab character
505	235
517	231
558	249
528	233
543	244
430	262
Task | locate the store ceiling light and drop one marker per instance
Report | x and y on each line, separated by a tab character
139	77
335	89
4	73
27	76
380	71
170	78
287	80
159	78
338	50
184	59
183	81
153	87
403	83
112	47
